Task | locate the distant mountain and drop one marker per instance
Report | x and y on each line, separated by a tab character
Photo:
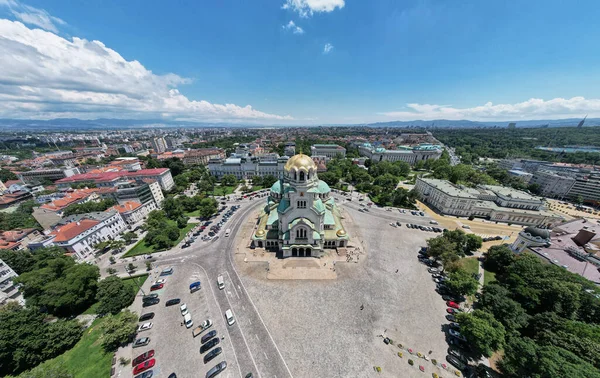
113	123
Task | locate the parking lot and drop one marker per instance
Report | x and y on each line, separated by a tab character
320	326
176	350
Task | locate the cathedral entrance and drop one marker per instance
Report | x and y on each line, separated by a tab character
294	252
308	251
301	252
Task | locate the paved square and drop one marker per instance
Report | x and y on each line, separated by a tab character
319	325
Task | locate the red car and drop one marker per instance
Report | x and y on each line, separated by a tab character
144	366
452	304
143	357
156	287
452	311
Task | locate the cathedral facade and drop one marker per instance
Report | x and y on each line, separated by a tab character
300	218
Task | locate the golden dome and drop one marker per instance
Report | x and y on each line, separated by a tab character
299	162
341	233
260	233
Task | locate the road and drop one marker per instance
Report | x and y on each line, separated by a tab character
254	348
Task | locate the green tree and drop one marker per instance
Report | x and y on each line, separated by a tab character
496	300
6	175
113	295
118	330
473	243
441	248
60	285
461	282
27	339
257	180
20	261
208	207
129	237
47	371
330	178
484	333
172	208
228	180
498	258
268	181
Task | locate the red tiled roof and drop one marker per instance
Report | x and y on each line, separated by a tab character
126	207
71	230
68	200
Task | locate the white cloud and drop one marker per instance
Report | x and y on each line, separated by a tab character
44	76
33	16
327	48
533	108
293	27
306	8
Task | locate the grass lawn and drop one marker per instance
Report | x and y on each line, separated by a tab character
195	213
257	187
134	282
86	359
224	190
471	264
488	277
141	248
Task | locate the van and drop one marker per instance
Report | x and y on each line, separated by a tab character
220	282
194	286
229	317
227	232
167	272
187	319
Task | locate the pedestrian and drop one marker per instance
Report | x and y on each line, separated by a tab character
181	324
430	351
362	307
396	270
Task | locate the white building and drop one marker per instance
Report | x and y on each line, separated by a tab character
495	203
78	234
551	184
159	145
8	290
133	212
246	168
411	155
328	150
111	179
300	219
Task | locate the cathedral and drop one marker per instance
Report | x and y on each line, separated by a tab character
300	219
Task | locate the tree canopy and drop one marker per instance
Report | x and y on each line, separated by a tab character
113	295
88	207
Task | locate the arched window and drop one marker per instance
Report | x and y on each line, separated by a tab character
301	233
301	175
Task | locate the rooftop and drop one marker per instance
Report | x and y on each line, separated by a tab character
71	230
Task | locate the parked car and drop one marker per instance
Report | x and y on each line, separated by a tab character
146	316
207	346
212	354
167	272
160	281
450	318
184	310
144	366
172	302
150	302
149	297
143	341
398	223
144	327
457	334
458	354
433	270
208	336
454	325
143	357
456	362
452	311
156	287
203	327
452	304
216	370
146	374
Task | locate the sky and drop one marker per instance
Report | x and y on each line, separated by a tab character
299	62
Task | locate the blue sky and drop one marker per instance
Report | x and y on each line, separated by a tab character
385	60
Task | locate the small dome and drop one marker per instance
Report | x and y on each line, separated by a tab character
260	233
276	187
300	162
341	233
536	231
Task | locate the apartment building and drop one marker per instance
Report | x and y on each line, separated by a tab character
587	187
110	179
8	290
133	212
202	156
410	155
40	175
159	145
551	184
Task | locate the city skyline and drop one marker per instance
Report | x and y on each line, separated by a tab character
298	62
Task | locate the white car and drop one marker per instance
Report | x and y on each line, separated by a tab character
144	327
161	281
184	309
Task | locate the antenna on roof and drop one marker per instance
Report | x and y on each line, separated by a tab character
580	124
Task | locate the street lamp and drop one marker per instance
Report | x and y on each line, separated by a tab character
136	283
